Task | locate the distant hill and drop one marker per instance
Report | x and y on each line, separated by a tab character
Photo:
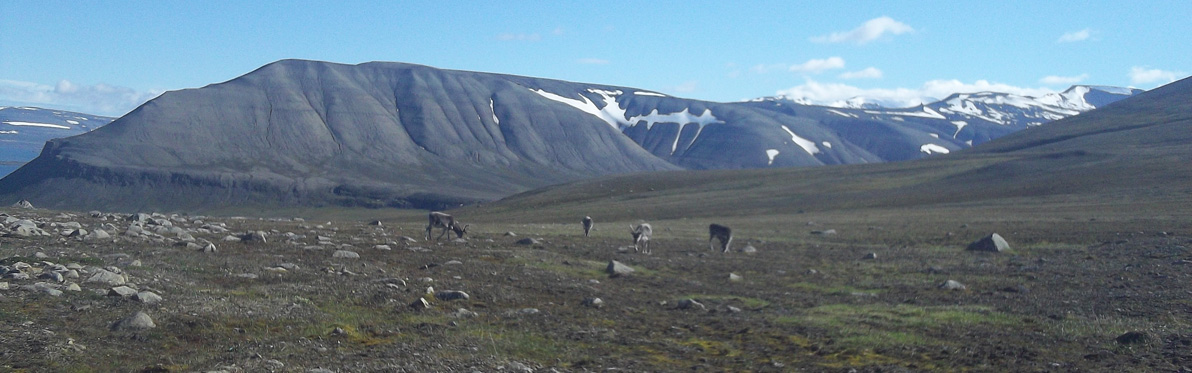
1133	154
25	130
382	134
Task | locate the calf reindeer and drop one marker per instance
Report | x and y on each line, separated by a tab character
441	220
723	233
587	225
641	237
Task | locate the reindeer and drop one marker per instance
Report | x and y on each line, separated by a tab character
641	237
441	220
587	225
723	233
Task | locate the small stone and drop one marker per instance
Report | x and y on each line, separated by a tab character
106	277
345	254
749	249
734	277
73	287
826	232
870	256
991	243
382	247
510	234
733	309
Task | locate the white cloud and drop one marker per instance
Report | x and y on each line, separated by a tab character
1063	80
100	99
816	66
828	93
592	61
1075	36
869	31
868	73
1143	75
519	37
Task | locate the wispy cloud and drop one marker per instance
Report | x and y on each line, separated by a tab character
827	93
867	73
101	99
816	66
1063	80
1144	75
592	61
1075	36
869	31
519	37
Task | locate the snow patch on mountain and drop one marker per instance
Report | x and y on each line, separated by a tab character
32	124
933	149
807	145
771	153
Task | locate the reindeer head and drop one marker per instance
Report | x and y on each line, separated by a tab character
459	231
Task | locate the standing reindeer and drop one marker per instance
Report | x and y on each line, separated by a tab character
723	233
587	225
641	237
441	220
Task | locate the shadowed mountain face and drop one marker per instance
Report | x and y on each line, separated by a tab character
306	133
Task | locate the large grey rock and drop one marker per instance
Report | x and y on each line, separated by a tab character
617	269
448	295
105	277
345	254
137	321
991	243
952	285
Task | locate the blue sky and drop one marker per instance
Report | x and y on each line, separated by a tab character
108	57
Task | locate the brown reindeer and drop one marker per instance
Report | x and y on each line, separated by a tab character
723	233
587	225
641	237
441	220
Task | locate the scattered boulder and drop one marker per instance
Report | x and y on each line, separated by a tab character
420	304
147	297
122	291
1133	337
345	254
617	269
98	234
733	277
593	302
991	243
464	313
870	256
382	247
952	285
528	241
510	234
23	204
139	320
826	232
375	223
749	249
106	277
689	304
449	295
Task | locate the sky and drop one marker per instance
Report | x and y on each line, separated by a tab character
108	57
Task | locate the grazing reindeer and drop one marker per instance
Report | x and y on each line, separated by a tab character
723	233
587	225
641	237
441	220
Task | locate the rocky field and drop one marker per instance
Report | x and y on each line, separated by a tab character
170	293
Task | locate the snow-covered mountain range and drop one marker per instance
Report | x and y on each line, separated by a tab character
24	131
